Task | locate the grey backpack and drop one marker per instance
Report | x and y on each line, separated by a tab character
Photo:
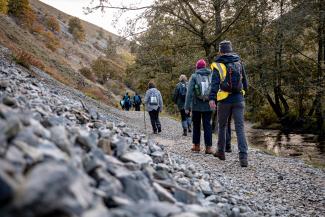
202	86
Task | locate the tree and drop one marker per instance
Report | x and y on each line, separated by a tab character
22	10
76	29
3	6
52	24
111	46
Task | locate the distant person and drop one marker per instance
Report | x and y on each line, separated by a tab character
154	105
127	101
137	102
197	100
179	100
229	84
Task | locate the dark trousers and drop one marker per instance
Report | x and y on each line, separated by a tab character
237	111
206	120
228	131
154	118
137	107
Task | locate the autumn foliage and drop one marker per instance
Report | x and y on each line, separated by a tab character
3	6
52	24
76	29
22	10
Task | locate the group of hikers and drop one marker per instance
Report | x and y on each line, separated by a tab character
127	103
217	90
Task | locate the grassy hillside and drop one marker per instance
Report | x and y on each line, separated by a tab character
31	47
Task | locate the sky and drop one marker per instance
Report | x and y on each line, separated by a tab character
104	20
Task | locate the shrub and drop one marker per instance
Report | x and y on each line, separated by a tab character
85	71
52	24
3	6
76	29
51	41
26	59
37	28
101	69
22	10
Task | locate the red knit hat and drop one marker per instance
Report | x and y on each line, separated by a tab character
201	64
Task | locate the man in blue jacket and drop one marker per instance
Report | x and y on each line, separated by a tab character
229	80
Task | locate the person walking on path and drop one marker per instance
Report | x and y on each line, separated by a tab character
229	84
179	100
197	100
127	101
154	105
137	101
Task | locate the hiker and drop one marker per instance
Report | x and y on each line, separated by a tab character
197	100
179	100
127	102
154	105
229	84
137	102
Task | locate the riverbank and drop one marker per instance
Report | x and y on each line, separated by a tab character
64	154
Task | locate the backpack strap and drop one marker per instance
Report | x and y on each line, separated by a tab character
221	69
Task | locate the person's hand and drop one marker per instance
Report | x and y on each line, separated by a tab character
187	111
212	104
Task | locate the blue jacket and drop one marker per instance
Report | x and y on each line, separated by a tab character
192	102
215	84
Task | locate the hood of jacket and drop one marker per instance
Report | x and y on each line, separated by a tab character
228	58
203	71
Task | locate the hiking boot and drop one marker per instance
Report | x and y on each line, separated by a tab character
159	130
208	150
195	148
243	161
220	155
184	132
155	132
189	129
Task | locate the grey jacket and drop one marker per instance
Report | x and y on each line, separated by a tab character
178	99
149	107
192	102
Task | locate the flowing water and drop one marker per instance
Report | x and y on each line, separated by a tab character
305	146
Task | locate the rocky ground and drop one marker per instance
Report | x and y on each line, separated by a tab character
63	154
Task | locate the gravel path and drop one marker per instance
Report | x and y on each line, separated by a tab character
272	186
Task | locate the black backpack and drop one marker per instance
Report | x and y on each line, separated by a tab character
234	77
182	91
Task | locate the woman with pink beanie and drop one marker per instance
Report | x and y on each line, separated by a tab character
197	100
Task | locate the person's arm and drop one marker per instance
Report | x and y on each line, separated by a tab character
176	94
160	102
189	94
245	81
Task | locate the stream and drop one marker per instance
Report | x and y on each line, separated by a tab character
305	146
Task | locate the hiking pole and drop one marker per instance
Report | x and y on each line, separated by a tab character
144	117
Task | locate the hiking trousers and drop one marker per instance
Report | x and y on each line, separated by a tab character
186	119
228	131
155	122
137	107
237	111
206	120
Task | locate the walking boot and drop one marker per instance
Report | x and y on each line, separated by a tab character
195	148
243	161
184	132
220	155
208	150
228	148
189	129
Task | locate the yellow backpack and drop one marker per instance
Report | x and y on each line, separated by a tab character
221	68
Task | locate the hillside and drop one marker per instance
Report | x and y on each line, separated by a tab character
65	62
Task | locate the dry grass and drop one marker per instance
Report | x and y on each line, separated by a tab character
96	93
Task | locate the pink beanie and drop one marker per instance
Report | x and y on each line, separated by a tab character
201	64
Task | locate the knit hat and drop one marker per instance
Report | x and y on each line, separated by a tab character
201	64
225	47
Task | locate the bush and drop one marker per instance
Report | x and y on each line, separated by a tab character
3	6
102	69
85	71
22	10
51	41
52	24
26	60
37	28
76	29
